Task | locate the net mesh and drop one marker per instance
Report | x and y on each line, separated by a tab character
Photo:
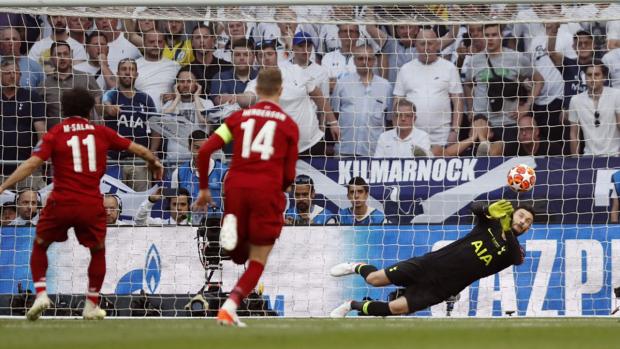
485	98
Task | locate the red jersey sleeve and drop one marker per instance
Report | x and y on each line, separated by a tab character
117	142
290	162
45	147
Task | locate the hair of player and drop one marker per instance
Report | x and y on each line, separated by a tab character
57	44
529	208
127	60
196	135
360	182
77	102
402	102
598	63
269	81
210	28
242	43
95	34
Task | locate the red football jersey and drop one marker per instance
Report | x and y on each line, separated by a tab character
265	147
78	151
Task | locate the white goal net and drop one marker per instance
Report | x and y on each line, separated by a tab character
425	106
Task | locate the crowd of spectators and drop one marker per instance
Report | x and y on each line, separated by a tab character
530	88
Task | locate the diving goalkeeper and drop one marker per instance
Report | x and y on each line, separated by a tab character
490	247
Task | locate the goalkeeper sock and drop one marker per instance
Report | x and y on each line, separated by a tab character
247	282
372	308
96	274
38	266
365	269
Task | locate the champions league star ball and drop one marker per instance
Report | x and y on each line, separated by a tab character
521	178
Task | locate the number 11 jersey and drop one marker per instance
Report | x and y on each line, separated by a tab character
264	148
78	151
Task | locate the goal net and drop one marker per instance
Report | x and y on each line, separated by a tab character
407	114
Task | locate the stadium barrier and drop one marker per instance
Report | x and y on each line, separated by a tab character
568	271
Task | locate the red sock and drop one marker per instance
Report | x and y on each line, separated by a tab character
38	266
96	274
247	282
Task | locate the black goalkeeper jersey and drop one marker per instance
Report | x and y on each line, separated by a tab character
480	253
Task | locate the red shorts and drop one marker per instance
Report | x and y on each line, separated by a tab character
260	217
87	220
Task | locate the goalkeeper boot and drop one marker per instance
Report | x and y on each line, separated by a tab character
341	311
41	303
92	311
228	233
343	269
228	318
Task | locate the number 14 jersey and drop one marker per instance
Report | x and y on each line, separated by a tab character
264	148
78	151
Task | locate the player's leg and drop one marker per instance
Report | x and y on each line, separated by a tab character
38	267
368	272
91	232
262	225
235	224
245	285
51	228
96	274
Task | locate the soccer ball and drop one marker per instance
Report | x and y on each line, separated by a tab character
521	178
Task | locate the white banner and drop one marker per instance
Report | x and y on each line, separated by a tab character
164	260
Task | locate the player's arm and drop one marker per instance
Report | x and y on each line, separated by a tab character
290	163
220	137
24	170
153	163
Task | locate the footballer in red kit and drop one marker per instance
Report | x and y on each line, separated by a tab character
262	168
78	152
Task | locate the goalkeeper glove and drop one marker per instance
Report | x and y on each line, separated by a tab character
500	209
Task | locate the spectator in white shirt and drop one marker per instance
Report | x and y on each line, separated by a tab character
120	47
40	51
404	140
340	61
97	64
302	50
434	86
596	113
299	91
361	100
155	74
176	202
79	27
233	32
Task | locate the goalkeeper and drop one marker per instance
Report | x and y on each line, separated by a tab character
490	247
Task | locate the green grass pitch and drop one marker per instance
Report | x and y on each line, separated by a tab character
564	333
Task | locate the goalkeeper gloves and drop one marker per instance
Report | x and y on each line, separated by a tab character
500	209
